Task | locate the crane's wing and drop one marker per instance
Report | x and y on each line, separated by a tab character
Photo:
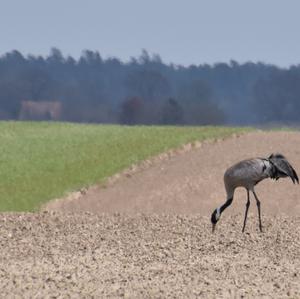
284	167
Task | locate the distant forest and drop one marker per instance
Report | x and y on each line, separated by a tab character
146	91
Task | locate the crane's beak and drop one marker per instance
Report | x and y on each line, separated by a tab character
213	227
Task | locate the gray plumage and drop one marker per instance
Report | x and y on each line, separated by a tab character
247	174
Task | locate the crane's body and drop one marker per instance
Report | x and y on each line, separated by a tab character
247	174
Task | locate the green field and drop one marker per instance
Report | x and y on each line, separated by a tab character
41	161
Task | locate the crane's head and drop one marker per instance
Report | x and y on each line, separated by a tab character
215	216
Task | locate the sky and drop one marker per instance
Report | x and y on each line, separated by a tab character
181	32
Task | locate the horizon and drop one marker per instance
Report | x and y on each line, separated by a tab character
151	56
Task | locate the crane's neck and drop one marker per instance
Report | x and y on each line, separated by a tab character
229	192
220	210
226	204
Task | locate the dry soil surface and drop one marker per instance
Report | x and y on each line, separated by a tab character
147	234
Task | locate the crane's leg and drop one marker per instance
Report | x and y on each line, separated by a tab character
258	208
246	212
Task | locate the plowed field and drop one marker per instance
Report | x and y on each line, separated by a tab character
147	233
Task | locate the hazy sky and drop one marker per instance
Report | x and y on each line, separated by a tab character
183	32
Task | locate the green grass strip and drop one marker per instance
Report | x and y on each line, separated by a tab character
41	161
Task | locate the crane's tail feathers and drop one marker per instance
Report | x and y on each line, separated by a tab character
295	175
283	167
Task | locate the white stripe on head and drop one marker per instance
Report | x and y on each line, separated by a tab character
218	214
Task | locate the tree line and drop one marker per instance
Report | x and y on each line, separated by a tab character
145	90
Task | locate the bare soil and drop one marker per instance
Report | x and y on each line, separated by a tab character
147	233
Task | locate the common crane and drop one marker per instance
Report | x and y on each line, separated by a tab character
247	174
